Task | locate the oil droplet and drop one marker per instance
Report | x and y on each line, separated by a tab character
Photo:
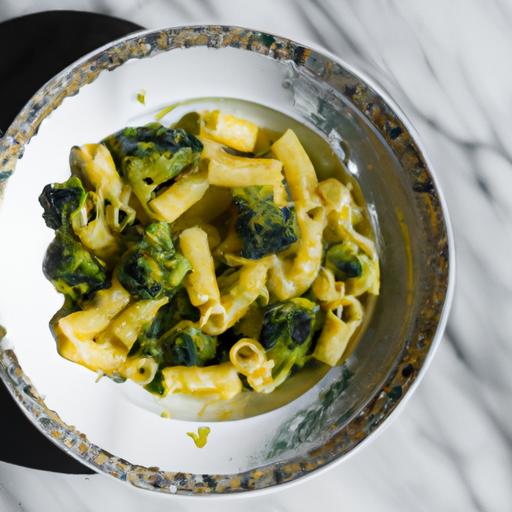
200	439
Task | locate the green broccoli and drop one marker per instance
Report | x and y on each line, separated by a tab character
152	268
287	334
177	309
152	155
343	261
62	201
72	269
156	386
186	345
183	345
263	227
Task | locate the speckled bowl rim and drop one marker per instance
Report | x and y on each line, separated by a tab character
386	117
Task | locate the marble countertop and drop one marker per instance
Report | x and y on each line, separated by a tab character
448	65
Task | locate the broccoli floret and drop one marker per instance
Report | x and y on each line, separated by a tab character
343	261
182	345
263	227
68	207
179	308
156	386
72	269
153	268
186	345
61	201
152	155
287	334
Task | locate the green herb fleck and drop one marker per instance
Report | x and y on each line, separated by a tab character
201	438
141	97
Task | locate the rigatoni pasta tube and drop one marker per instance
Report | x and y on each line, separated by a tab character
337	332
215	201
95	234
248	357
228	129
292	278
237	301
103	357
96	315
246	173
126	327
298	169
231	244
340	207
368	281
327	290
201	283
141	370
95	165
75	332
220	381
180	196
336	197
232	171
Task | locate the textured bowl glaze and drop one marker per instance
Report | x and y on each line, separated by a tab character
354	400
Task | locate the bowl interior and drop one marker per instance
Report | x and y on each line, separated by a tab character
123	419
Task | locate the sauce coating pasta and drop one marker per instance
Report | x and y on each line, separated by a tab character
192	261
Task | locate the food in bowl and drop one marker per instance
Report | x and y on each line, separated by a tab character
205	258
303	425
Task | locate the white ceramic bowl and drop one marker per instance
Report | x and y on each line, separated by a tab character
117	429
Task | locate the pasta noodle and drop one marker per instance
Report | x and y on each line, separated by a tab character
231	244
237	133
232	171
75	332
292	277
178	198
220	381
201	283
214	203
327	290
126	326
141	370
237	301
337	332
248	357
298	169
96	234
94	163
339	206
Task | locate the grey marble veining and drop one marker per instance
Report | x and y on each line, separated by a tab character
448	65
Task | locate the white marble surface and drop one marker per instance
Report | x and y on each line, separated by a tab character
448	64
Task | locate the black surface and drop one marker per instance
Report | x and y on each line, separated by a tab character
39	46
36	47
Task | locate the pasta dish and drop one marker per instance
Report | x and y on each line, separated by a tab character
205	258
